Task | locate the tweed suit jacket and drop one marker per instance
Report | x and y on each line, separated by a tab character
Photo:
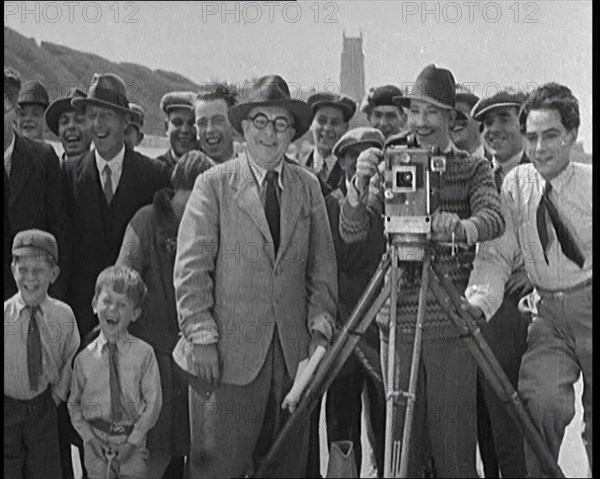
231	288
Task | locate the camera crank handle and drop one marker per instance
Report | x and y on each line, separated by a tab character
454	246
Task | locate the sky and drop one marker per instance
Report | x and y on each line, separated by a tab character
487	45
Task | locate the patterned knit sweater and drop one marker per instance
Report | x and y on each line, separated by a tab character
467	189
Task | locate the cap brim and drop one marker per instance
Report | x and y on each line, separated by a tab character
479	114
80	103
404	102
170	108
31	251
339	150
300	110
54	111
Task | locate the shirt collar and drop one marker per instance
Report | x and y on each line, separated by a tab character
11	147
509	164
329	161
102	341
479	151
175	157
116	162
260	173
561	181
20	304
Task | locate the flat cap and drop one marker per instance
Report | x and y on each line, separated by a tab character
137	117
177	99
380	96
34	93
35	242
191	165
359	136
501	99
346	104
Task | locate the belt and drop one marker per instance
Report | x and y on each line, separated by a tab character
545	293
112	429
37	403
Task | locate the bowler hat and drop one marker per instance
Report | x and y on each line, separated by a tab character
137	117
380	96
34	93
346	104
60	106
34	242
271	90
502	98
107	90
359	136
177	99
436	86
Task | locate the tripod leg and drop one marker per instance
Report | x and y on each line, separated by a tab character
358	322
414	369
449	300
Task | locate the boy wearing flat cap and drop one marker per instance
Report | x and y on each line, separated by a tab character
33	102
331	114
41	339
105	187
179	126
382	113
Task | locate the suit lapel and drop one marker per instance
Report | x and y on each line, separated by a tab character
292	199
247	198
21	170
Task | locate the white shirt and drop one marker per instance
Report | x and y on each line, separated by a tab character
260	173
115	165
479	151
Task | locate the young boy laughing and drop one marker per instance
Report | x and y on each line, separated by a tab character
115	391
40	341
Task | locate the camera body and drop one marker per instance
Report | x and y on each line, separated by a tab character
412	177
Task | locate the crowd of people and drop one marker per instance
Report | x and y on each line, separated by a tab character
156	310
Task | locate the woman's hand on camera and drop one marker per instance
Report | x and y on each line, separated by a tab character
443	224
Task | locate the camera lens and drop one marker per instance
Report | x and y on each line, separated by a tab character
404	179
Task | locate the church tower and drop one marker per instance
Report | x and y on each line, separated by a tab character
352	75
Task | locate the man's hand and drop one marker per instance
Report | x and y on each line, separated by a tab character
97	447
206	361
518	284
125	451
317	339
367	165
443	224
474	312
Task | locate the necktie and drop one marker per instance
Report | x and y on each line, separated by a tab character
34	350
498	178
115	386
272	208
565	239
323	174
108	189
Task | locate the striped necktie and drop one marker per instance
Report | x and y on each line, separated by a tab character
108	188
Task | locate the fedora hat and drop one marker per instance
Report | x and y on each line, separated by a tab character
34	93
271	90
107	90
60	106
343	102
436	86
138	115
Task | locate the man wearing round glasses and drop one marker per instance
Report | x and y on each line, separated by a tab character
256	288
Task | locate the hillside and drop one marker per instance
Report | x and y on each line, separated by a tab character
60	67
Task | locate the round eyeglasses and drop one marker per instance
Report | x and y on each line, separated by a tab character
280	124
